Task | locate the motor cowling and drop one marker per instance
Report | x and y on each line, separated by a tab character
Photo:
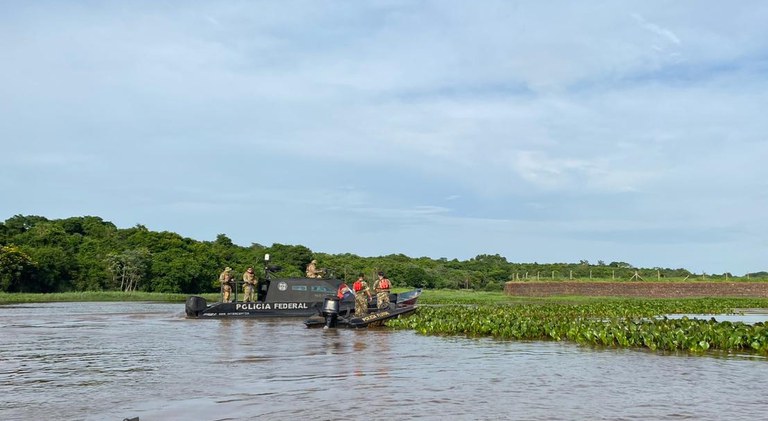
195	306
331	310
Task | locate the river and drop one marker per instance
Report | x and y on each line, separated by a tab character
110	361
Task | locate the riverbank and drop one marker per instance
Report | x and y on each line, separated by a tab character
515	293
85	296
432	296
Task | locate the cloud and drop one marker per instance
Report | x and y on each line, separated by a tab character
662	32
453	128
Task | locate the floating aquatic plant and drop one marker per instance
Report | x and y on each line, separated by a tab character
629	323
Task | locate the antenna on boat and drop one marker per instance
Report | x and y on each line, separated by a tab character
266	266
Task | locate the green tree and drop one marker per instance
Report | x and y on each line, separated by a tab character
416	277
128	268
293	260
19	224
4	234
224	241
54	267
16	269
92	273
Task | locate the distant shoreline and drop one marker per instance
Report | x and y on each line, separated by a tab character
106	296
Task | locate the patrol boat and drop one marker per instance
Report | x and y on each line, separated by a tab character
290	297
298	297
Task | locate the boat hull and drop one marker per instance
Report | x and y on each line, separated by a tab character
279	309
371	319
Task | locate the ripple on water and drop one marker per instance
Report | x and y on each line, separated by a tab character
73	364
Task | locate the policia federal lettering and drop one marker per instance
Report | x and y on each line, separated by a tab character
270	306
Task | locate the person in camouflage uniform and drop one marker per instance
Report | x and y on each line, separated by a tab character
362	295
382	286
312	271
250	280
225	279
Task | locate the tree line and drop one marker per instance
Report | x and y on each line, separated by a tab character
89	254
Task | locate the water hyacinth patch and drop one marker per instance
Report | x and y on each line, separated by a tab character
628	323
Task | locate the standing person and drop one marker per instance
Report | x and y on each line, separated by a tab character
249	285
225	279
312	271
360	287
382	287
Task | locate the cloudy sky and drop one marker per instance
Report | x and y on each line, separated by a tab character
545	132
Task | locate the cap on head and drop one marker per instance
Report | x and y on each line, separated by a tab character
227	269
381	273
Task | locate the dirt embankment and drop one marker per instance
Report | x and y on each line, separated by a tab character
639	289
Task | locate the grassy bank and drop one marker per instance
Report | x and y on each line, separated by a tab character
17	298
428	297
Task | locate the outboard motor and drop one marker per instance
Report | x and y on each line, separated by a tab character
331	310
195	305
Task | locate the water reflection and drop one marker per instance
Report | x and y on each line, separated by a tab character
750	317
113	360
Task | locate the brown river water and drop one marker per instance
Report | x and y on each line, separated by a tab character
110	361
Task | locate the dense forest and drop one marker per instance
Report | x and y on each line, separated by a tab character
90	254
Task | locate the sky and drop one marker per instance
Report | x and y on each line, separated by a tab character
549	132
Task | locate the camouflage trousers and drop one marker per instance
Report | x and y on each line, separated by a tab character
382	299
226	292
248	293
361	304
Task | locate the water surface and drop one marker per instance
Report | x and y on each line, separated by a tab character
109	361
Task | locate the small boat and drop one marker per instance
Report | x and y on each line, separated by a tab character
333	315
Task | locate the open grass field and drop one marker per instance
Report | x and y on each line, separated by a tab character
468	296
446	296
